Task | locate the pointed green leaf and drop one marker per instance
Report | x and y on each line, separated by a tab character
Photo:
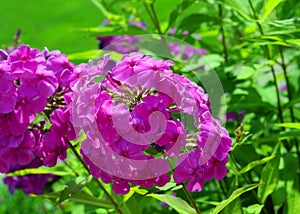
271	4
289	125
293	205
234	196
176	203
84	198
253	209
269	176
238	7
38	171
254	164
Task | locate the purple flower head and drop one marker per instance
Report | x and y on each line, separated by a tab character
137	116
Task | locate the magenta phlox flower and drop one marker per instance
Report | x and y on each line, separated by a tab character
30	101
52	147
43	80
17	149
9	124
190	170
25	58
60	120
62	68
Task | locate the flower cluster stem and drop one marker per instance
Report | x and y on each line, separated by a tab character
190	197
96	180
153	16
223	35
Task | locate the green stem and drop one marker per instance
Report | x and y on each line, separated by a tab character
153	16
248	181
284	68
96	180
190	197
268	54
223	35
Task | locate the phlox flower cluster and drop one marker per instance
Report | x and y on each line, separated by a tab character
34	121
145	124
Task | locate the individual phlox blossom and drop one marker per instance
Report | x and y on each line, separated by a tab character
54	143
64	70
17	149
25	58
30	101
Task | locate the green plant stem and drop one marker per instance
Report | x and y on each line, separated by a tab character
268	54
153	16
96	180
284	68
190	197
223	35
73	170
248	181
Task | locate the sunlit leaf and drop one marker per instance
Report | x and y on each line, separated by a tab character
271	4
254	164
289	125
38	171
269	176
83	197
237	193
176	203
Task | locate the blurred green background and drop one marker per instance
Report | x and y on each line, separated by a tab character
50	23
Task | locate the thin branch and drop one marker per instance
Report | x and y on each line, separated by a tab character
223	35
190	197
96	180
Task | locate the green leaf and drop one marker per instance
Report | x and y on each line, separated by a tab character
93	54
71	188
176	203
239	7
86	55
271	4
234	207
289	125
253	209
255	163
179	10
269	177
99	5
293	205
245	73
84	198
237	193
189	23
38	171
